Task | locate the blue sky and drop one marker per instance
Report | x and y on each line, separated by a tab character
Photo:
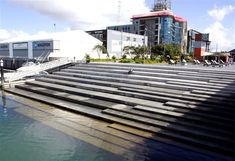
23	17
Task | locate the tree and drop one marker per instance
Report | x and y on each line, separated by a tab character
100	49
157	50
128	50
173	50
138	51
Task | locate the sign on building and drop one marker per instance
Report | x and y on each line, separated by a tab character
20	46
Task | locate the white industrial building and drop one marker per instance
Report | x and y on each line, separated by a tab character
70	44
115	41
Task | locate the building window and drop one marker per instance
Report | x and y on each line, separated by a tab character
134	39
4	46
43	44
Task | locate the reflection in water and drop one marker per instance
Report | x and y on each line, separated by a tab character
32	133
4	102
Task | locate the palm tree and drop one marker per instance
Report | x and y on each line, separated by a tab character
100	49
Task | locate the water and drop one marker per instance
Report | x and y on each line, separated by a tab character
25	139
42	133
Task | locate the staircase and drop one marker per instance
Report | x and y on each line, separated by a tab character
189	106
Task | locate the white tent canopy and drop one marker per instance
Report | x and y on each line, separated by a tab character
71	44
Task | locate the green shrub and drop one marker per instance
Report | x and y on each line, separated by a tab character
88	58
101	60
138	60
114	58
124	56
126	61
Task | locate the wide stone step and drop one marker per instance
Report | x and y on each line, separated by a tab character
115	84
181	130
142	73
186	98
88	93
132	76
90	112
152	77
170	68
187	117
205	75
205	82
91	102
120	99
205	106
177	121
222	88
135	92
155	72
79	86
136	82
152	69
220	94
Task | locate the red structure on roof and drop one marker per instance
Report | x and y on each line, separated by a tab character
159	13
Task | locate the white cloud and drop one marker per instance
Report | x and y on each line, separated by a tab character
6	34
89	14
219	35
222	37
219	13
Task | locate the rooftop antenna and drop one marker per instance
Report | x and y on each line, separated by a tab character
54	27
161	5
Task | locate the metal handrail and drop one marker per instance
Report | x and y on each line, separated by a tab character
39	68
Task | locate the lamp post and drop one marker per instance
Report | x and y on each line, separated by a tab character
2	73
121	43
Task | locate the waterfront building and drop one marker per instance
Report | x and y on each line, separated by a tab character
70	44
198	44
161	26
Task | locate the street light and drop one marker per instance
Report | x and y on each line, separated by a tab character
2	74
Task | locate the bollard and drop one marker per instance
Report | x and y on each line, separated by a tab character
2	74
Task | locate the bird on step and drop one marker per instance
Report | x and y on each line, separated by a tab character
130	71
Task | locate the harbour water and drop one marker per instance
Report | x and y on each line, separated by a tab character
30	130
23	138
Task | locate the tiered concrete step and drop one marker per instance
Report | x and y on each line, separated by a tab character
180	104
93	88
136	82
153	72
118	97
149	95
190	136
149	70
149	75
161	67
172	85
133	101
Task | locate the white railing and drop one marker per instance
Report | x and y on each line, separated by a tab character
35	70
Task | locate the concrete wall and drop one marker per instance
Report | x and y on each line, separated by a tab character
23	53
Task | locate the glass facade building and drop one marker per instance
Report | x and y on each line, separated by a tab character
162	27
